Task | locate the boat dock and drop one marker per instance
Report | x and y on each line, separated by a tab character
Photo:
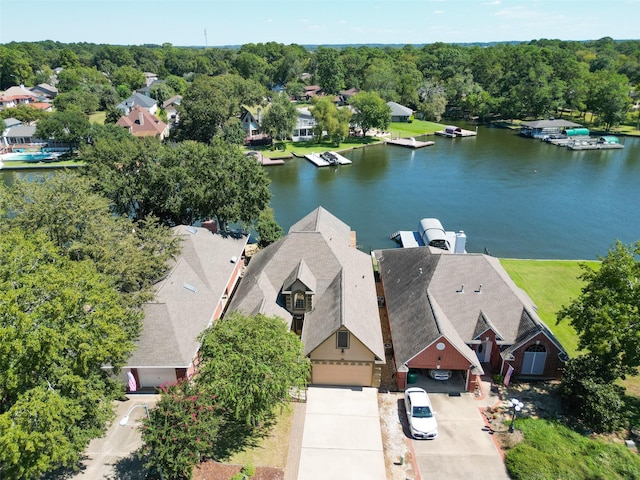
456	132
327	159
408	142
264	161
593	146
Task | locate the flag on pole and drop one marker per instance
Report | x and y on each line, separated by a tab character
132	382
507	377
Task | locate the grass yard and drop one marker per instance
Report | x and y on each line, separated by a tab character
271	451
302	148
552	451
551	284
414	129
98	117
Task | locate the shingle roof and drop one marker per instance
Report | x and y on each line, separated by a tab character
142	123
344	286
425	292
186	299
398	110
136	99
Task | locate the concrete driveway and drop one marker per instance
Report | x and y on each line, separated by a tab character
112	456
341	436
463	449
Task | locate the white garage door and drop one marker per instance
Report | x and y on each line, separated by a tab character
154	377
342	373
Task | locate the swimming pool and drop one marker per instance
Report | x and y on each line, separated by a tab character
28	156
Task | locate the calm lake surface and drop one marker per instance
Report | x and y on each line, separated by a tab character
516	197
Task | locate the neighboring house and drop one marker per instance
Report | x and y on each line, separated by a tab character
188	300
399	113
150	78
45	90
14	96
141	123
311	91
346	95
21	135
463	313
138	99
304	125
541	128
170	106
323	288
251	118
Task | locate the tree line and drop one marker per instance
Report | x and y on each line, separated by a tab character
529	79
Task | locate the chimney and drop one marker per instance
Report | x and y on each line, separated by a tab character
140	117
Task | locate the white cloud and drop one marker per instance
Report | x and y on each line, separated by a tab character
495	2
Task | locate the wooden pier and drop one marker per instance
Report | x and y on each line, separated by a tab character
264	161
408	142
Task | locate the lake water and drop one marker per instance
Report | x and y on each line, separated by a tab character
516	197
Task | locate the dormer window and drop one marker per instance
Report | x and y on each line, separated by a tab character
298	301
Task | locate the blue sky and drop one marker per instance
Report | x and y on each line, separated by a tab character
236	22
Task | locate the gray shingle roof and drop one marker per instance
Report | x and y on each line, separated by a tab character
344	286
136	99
186	299
425	293
398	110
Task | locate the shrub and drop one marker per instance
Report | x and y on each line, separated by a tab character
249	470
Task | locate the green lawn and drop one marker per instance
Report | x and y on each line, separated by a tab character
98	117
551	284
414	129
270	451
552	451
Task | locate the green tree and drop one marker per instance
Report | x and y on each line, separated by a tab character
251	378
161	91
280	118
433	100
182	429
129	76
24	113
371	111
14	68
211	101
595	403
267	228
70	127
60	322
179	184
605	315
232	132
329	70
608	97
81	224
330	119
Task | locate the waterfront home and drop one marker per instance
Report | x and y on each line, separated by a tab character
141	123
322	286
304	125
399	113
16	95
188	300
46	91
463	313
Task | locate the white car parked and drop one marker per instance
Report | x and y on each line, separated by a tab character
422	422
